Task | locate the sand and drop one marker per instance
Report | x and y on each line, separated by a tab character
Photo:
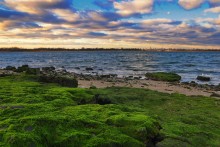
148	84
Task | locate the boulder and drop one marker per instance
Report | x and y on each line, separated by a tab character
203	78
22	68
99	99
12	68
164	76
59	79
33	71
46	69
89	68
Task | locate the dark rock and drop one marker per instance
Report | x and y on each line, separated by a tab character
12	68
101	100
105	76
51	68
92	87
137	78
77	68
22	68
33	71
59	79
89	68
192	82
203	78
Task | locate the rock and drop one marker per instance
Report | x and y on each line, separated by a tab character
216	94
137	78
164	76
12	68
105	76
203	78
33	71
22	68
101	100
89	68
77	68
51	68
192	82
59	79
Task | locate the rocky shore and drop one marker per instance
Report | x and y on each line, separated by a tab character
69	79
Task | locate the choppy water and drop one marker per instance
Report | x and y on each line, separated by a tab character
123	63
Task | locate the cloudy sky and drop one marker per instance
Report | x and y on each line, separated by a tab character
110	23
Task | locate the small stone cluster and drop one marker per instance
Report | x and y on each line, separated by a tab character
47	75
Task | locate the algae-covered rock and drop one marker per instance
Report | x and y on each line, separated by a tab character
12	68
33	71
22	68
59	79
84	125
203	78
102	100
164	76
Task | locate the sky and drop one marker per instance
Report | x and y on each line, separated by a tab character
110	24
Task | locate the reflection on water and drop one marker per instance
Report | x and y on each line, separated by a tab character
123	63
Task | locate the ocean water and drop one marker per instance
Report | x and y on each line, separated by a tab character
123	63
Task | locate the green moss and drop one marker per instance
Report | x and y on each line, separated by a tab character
40	114
163	76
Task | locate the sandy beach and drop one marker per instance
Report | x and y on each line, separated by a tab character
160	86
89	81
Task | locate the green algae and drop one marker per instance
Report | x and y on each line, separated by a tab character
164	76
39	114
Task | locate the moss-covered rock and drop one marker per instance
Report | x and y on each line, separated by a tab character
59	79
42	114
22	68
164	76
12	68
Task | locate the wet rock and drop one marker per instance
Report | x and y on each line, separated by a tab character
46	69
137	78
203	78
99	99
33	71
89	69
12	68
105	76
22	68
66	81
164	76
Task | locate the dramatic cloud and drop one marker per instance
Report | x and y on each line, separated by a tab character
131	7
213	10
36	6
110	23
190	4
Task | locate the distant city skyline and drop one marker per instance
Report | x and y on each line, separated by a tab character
110	23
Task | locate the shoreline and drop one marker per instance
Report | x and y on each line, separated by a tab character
104	81
103	49
188	89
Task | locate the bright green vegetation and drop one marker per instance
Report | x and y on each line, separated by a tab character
39	114
164	76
